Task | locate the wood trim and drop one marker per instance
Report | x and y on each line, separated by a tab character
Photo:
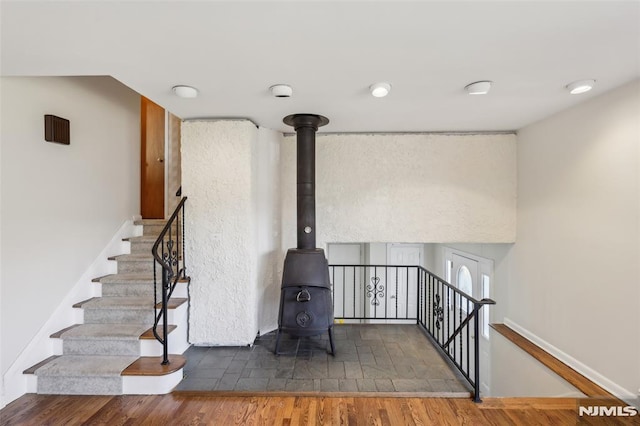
582	383
148	335
152	366
174	302
511	403
80	304
33	368
58	334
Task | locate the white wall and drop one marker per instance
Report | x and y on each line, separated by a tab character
61	204
576	264
230	175
266	187
410	188
515	373
501	280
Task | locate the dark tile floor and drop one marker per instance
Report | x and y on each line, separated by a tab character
369	358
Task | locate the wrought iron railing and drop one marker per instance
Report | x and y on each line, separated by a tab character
168	253
399	293
452	318
374	293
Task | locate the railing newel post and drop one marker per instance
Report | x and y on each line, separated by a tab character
476	349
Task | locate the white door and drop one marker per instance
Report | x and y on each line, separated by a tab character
401	284
471	275
347	281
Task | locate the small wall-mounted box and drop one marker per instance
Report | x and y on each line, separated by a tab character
56	130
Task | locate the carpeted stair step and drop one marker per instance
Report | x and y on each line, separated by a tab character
142	244
136	264
127	285
118	310
102	339
134	285
83	375
151	226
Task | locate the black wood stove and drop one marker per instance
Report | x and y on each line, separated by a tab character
306	308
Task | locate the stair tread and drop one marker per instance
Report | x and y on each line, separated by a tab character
116	303
33	368
148	334
86	366
131	279
59	333
142	238
152	366
138	257
174	302
125	278
102	332
126	302
150	222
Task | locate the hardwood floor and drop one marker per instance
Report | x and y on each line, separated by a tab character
200	408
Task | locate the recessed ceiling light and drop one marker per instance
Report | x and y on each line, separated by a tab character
380	90
281	90
185	91
478	88
580	86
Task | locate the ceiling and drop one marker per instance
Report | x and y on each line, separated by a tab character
330	52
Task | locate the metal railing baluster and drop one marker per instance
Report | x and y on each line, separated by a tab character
167	253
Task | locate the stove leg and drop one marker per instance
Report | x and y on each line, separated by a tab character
333	349
277	343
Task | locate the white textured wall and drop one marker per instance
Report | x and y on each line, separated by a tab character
408	188
229	176
60	204
576	264
266	188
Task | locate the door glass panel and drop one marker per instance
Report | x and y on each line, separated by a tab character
465	284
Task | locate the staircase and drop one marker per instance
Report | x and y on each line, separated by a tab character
114	350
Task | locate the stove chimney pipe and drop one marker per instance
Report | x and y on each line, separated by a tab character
306	126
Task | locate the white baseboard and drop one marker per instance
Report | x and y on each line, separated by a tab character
42	346
581	368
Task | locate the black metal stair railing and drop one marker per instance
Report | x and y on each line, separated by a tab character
412	294
168	252
452	318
